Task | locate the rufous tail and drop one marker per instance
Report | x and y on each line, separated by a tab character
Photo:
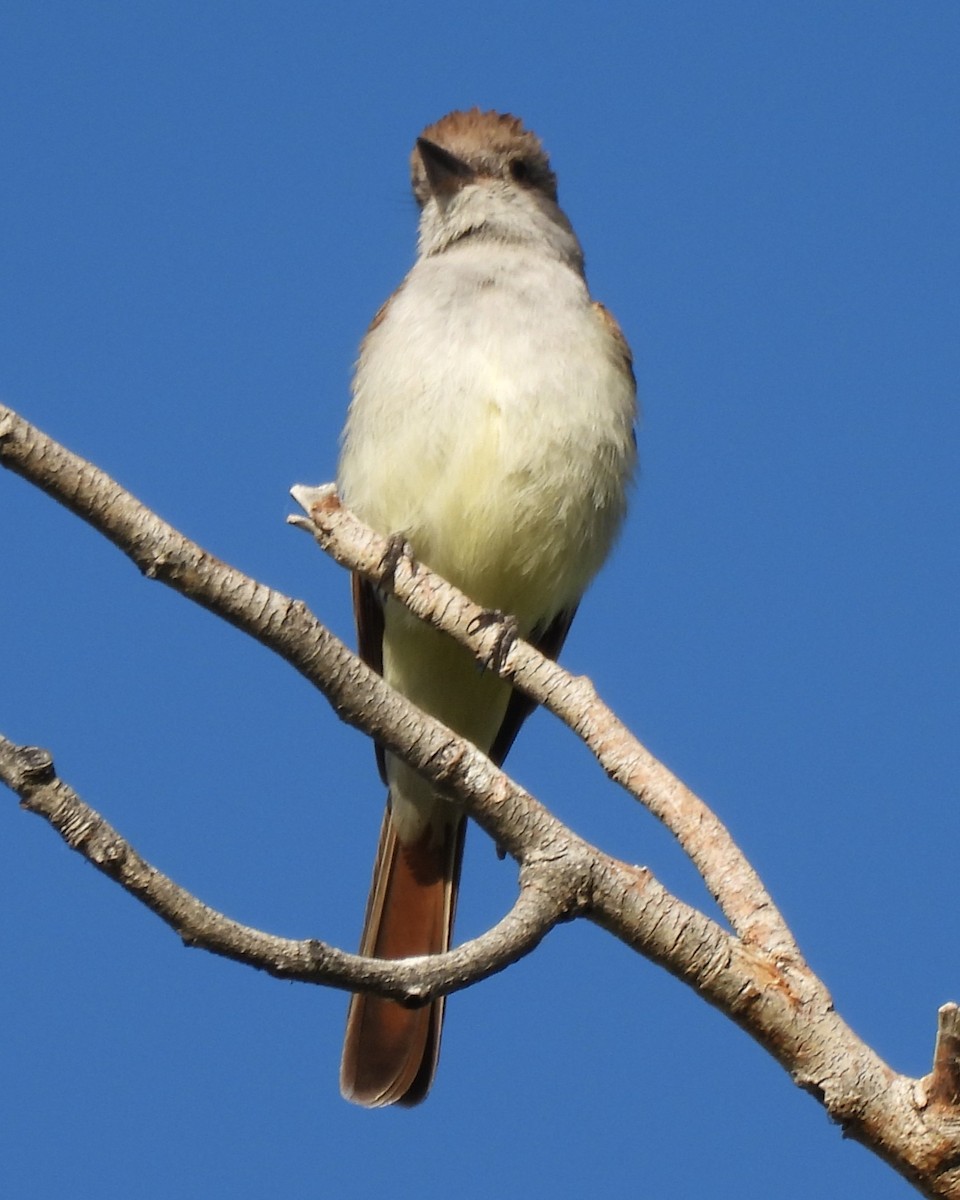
390	1052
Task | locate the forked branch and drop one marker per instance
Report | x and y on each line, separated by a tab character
755	974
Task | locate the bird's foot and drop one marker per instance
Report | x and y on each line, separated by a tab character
506	635
397	548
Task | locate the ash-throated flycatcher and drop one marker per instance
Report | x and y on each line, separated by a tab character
492	426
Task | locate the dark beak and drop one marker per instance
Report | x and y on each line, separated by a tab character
445	172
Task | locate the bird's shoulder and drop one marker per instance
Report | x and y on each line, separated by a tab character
381	314
611	327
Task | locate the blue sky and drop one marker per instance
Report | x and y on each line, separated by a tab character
202	206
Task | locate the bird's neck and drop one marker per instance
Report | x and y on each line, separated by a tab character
527	220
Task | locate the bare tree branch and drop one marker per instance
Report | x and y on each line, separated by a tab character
755	975
358	695
730	878
548	893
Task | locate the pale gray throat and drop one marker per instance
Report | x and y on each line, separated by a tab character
487	231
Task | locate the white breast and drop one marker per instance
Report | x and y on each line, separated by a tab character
491	424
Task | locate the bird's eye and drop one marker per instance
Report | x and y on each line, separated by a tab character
519	170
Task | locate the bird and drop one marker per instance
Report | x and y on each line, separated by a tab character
491	427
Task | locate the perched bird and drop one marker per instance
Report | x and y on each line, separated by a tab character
491	426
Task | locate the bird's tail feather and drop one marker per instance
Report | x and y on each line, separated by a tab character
390	1052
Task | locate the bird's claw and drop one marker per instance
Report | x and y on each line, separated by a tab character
397	548
507	634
